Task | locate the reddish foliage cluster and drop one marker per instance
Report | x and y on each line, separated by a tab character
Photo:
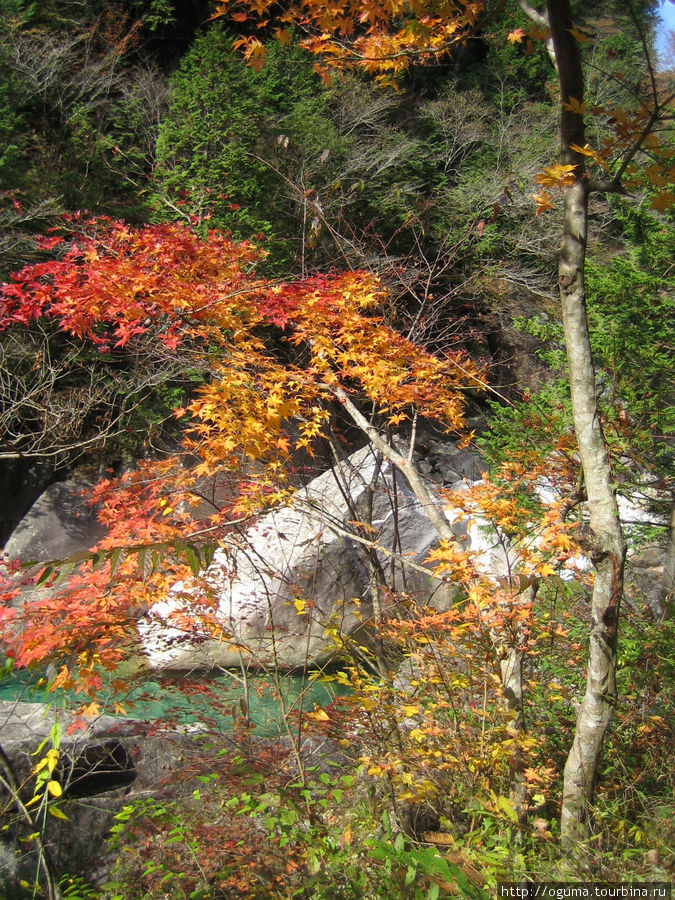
117	287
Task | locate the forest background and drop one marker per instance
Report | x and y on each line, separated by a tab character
147	113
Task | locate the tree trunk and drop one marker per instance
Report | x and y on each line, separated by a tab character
608	547
668	588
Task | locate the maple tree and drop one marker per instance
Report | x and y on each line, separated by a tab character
279	360
118	287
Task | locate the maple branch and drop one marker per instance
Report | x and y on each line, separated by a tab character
610	76
595	186
431	504
47	442
540	19
413	437
615	186
316	209
176	209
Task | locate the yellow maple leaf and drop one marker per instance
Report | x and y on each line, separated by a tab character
544	201
220	10
54	788
255	52
575	106
300	606
397	419
557	176
587	150
91	710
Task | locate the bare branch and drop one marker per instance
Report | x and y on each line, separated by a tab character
540	19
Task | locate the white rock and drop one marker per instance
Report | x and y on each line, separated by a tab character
304	553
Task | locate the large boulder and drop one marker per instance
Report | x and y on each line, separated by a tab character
645	580
101	768
299	576
56	526
21	483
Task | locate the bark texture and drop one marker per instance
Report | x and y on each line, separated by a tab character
668	592
608	546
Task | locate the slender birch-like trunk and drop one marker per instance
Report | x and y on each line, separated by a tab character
608	548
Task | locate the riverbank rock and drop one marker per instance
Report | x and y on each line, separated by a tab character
109	763
298	579
57	525
645	580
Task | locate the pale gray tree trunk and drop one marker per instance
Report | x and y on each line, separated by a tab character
608	549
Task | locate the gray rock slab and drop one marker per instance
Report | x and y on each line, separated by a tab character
110	763
56	526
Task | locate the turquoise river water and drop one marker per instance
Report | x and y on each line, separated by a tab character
218	701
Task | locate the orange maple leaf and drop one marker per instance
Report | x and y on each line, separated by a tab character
538	33
663	201
544	201
557	176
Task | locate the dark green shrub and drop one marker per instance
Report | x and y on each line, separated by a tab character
235	143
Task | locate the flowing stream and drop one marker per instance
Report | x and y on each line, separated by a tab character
220	701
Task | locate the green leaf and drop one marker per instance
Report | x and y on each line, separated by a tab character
65	571
55	734
45	575
194	560
115	557
209	553
57	813
141	553
507	808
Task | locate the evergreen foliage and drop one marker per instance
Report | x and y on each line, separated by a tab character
233	138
